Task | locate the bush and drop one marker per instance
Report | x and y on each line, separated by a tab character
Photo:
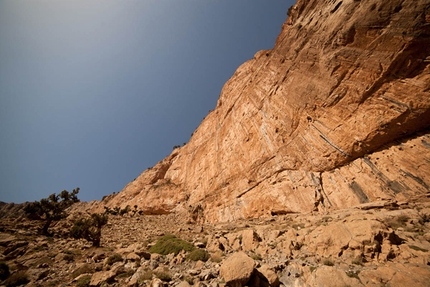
86	268
358	261
69	258
417	248
113	258
188	279
124	211
89	228
198	254
147	275
84	281
256	257
353	274
170	244
289	11
399	221
4	271
328	262
163	276
16	279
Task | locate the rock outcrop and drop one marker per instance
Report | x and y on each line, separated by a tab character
335	115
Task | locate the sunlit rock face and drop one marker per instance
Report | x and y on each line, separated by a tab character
342	102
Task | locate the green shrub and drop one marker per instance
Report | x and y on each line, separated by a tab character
417	248
147	275
38	248
353	274
256	257
358	261
328	262
198	254
163	276
84	281
312	268
126	273
399	221
424	218
113	258
89	228
16	279
170	244
86	268
69	258
4	271
188	279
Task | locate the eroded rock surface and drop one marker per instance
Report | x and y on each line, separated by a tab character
340	103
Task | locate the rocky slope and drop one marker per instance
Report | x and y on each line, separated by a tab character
340	104
375	244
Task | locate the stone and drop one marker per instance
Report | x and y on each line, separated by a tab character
100	277
270	275
237	269
250	239
144	254
134	280
132	257
158	283
333	277
183	284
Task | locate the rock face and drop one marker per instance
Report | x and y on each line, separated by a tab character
340	104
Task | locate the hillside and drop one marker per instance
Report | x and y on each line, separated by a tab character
312	170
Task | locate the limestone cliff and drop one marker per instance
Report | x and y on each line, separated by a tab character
340	103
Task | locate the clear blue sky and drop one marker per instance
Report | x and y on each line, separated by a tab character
94	92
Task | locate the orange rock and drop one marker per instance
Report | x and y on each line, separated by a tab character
335	105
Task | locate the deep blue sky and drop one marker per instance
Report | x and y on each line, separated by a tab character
94	92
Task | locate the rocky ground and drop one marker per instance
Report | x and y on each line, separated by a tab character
378	244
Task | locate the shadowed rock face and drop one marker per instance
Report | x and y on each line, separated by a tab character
341	103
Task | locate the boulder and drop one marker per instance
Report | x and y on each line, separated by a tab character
250	240
237	269
269	274
133	257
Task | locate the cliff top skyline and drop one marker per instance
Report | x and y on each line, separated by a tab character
92	94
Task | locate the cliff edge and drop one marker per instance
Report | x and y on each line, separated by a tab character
335	115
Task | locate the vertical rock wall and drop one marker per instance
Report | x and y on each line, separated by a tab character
336	104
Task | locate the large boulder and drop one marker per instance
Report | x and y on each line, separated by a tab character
237	269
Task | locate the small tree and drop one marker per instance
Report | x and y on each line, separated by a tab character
124	210
52	208
134	210
90	228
